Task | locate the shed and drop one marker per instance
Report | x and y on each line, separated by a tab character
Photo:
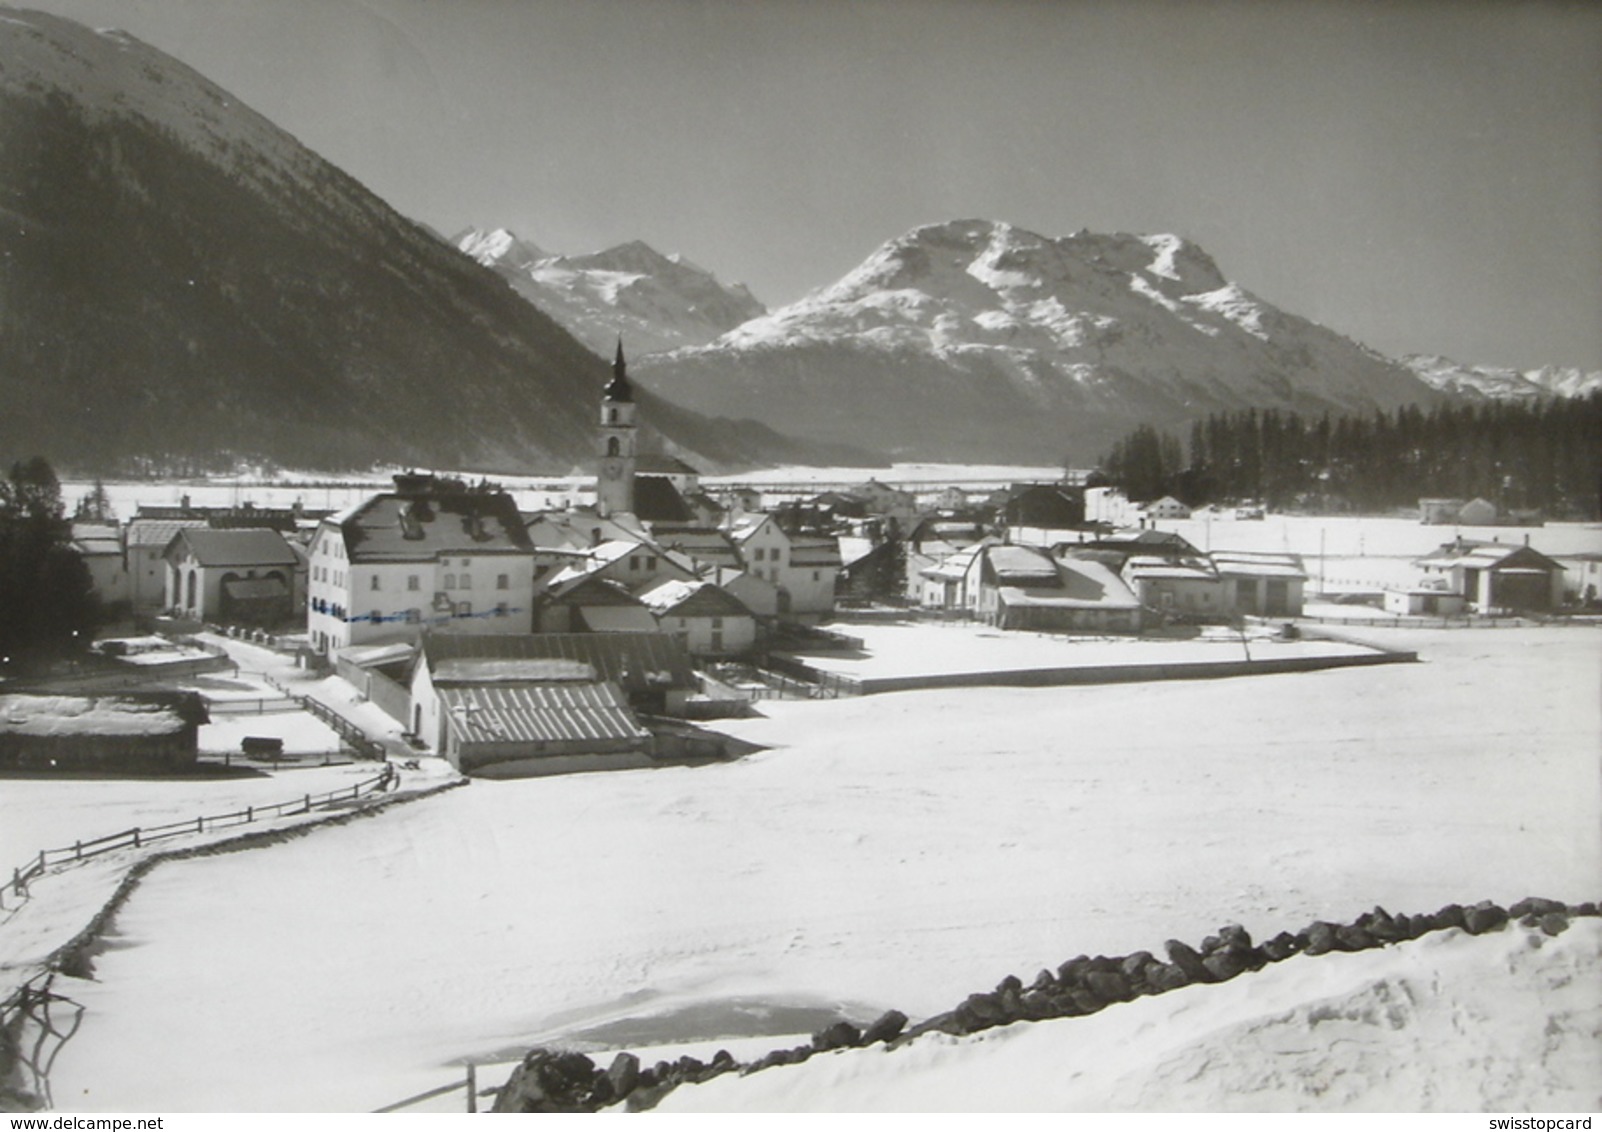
130	731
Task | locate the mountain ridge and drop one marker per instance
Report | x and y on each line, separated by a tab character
655	302
183	284
976	338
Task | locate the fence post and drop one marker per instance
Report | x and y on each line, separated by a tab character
250	814
308	803
200	825
472	1087
77	851
136	838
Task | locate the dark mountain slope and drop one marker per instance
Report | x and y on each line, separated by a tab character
182	282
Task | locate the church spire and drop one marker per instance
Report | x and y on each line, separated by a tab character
619	389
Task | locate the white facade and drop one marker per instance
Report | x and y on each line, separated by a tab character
358	603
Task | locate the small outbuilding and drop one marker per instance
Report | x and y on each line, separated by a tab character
133	731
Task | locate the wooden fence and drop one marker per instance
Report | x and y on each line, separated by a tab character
344	728
469	1084
137	838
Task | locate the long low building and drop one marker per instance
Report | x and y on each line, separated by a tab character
131	731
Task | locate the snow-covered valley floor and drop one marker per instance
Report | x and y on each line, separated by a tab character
894	851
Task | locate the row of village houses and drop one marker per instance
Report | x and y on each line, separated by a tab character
436	553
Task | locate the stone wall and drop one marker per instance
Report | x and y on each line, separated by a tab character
553	1080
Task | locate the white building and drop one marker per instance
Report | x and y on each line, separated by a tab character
802	567
432	553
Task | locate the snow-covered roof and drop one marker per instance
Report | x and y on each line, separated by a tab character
1020	563
93	715
1486	556
1255	564
481	670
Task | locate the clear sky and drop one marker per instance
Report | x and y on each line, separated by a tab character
1422	176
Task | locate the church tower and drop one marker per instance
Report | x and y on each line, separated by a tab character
614	491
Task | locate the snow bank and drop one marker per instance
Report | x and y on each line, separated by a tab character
1453	1023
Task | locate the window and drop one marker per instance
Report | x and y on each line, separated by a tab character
374	581
778	554
717	622
634	562
503	581
413	616
412	582
650	562
817	575
450	581
464	609
467	581
760	554
501	610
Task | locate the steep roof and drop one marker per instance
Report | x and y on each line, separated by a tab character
674	598
158	532
539	713
1081	584
656	500
1487	556
246	547
806	550
1021	565
406	528
634	661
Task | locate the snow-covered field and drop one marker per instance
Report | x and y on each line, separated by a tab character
903	851
937	648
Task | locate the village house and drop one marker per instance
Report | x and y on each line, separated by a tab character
241	577
883	499
146	539
1262	584
1494	576
1165	508
1044	506
100	547
952	582
430	554
589	603
707	620
803	568
1022	587
1187	586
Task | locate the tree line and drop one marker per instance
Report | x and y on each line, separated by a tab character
1544	456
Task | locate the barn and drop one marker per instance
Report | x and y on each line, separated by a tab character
134	731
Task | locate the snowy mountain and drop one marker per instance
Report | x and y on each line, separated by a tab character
1492	383
656	302
979	340
183	283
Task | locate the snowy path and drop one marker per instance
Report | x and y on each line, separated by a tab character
901	850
